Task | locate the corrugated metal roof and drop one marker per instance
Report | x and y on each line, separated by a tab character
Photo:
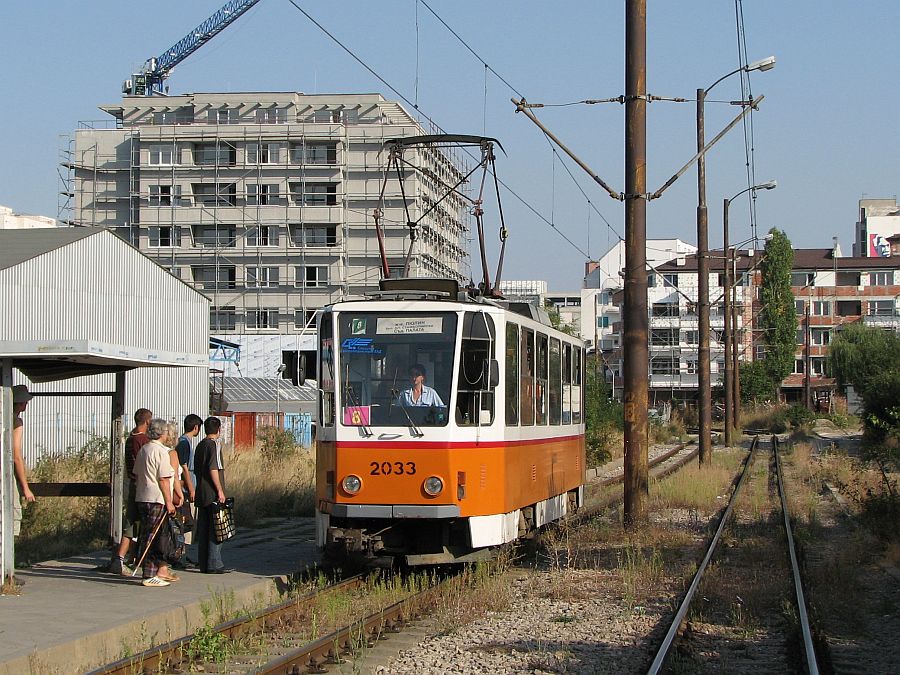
17	246
263	389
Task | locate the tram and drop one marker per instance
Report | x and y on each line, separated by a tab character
448	424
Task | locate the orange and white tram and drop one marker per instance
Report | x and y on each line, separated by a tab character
447	425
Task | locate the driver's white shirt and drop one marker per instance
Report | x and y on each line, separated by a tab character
429	397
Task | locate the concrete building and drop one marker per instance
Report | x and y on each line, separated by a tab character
879	220
603	282
10	220
265	201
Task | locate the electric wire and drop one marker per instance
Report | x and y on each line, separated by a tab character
747	122
435	124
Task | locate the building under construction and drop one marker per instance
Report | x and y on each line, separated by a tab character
265	201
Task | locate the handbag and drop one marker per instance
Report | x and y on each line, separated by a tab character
223	520
175	536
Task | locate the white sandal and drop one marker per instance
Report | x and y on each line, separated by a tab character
155	581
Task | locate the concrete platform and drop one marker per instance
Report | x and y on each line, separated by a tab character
71	617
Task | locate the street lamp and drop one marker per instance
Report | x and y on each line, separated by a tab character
732	378
703	370
278	373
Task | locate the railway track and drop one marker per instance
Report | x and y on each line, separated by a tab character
680	632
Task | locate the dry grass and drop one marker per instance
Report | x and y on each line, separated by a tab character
270	488
697	488
477	591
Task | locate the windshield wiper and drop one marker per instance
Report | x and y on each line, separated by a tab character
355	403
395	394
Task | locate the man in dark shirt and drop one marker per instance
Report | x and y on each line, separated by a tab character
130	521
210	492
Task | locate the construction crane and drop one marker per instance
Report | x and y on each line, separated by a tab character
149	81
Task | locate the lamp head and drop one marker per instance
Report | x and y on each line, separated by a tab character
281	369
762	65
768	185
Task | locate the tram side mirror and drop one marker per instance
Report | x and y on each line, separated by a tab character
494	374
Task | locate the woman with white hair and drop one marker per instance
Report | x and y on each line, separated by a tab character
154	497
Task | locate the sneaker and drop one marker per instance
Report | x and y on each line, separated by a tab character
155	581
171	578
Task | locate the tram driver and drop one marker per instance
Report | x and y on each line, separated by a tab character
419	394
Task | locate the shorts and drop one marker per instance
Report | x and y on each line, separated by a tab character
131	519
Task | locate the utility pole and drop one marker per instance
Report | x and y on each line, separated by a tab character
735	352
806	384
704	384
728	336
636	320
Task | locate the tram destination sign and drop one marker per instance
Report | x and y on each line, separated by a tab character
409	325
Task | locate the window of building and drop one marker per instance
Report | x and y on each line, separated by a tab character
313	236
262	277
759	351
881	278
165	236
326	116
817	366
214	236
165	195
799	366
801	336
162	155
314	194
651	281
272	115
848	308
670	280
664	309
214	194
314	153
820	336
262	235
690	336
223	116
265	194
803	279
179	116
800	307
663	365
602	322
690	367
305	319
664	337
262	319
821	308
881	307
220	153
717	309
847	279
263	153
222	318
213	277
311	276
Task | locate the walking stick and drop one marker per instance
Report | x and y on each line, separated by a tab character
150	542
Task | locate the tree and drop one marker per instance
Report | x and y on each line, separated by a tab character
778	317
755	383
868	358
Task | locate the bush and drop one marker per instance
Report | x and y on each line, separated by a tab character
793	417
276	444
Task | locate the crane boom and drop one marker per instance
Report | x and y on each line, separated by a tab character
155	71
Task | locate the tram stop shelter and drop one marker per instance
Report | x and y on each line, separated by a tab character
88	319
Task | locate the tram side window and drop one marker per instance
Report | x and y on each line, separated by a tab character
576	385
475	386
512	374
555	382
526	376
326	370
566	383
540	388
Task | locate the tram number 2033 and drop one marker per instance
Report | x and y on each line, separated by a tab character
392	468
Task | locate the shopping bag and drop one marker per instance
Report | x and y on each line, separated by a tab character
223	520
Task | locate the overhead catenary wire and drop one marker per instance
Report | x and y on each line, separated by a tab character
746	92
406	100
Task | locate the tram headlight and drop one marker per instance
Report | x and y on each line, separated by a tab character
351	484
433	486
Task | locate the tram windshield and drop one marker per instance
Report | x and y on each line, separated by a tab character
395	368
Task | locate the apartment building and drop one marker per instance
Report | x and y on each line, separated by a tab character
264	202
879	222
831	291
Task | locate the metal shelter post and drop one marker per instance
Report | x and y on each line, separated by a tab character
8	490
117	459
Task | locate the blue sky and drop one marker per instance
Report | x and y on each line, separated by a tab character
826	130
